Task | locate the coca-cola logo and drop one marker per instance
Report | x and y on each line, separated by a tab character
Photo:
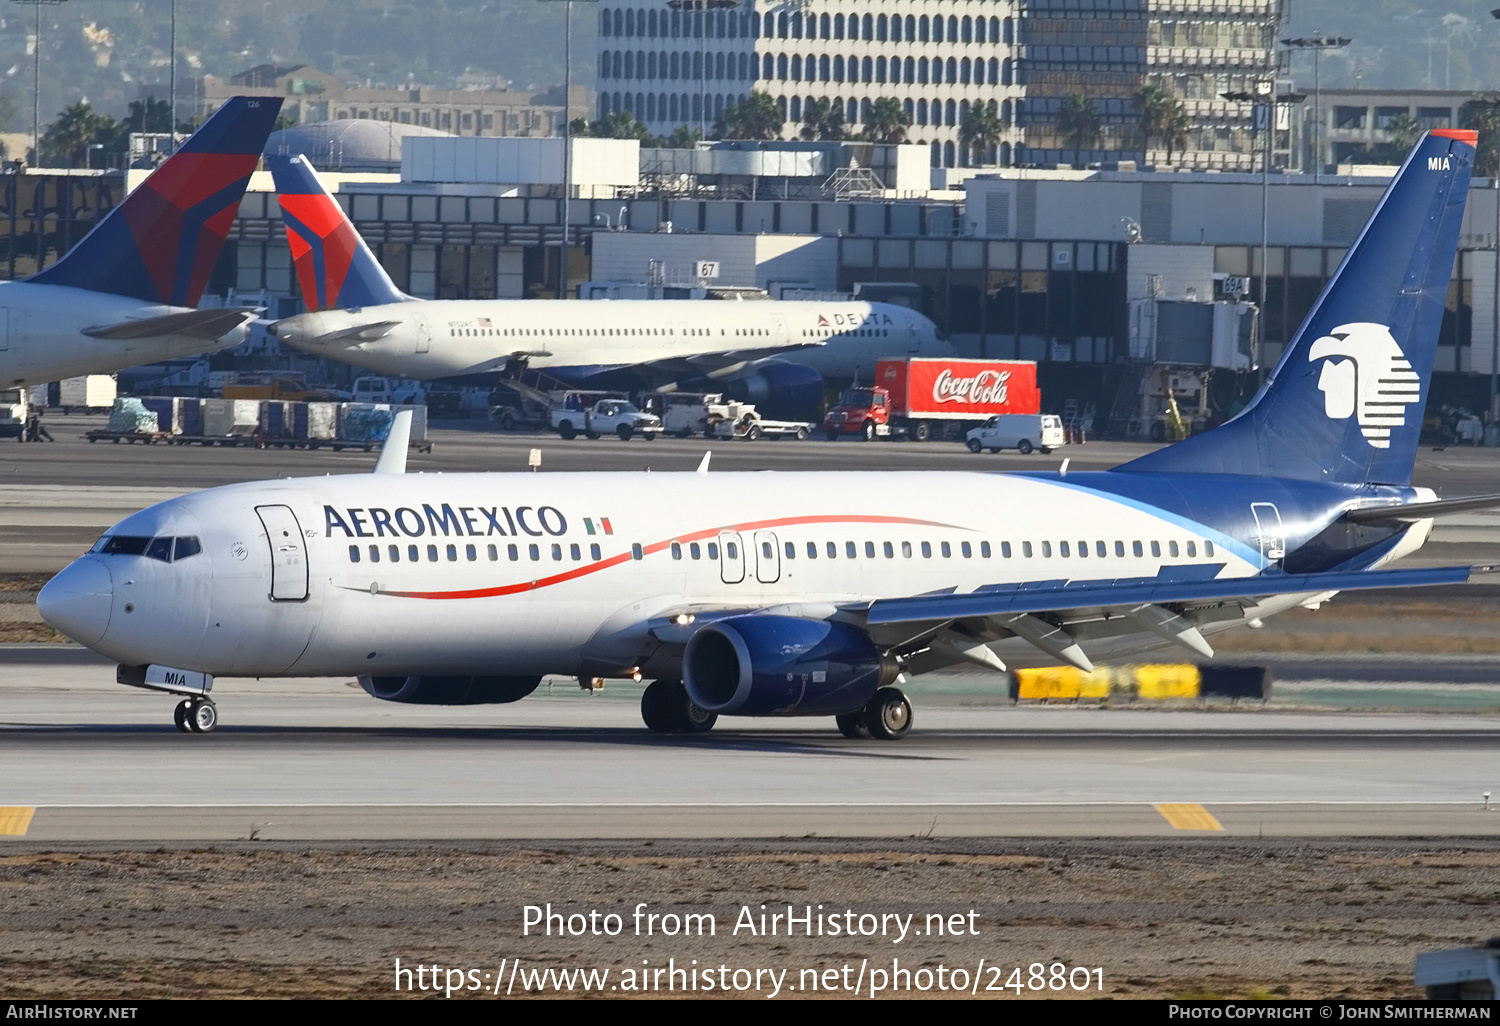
985	388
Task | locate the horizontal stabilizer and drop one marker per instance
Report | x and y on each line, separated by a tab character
204	324
1422	510
1132	594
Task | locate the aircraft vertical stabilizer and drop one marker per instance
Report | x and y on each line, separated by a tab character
1345	402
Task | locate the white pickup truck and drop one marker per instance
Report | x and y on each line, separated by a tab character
1023	432
13	409
607	416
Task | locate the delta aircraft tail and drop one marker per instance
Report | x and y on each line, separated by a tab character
161	244
1345	402
335	269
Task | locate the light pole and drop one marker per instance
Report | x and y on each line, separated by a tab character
567	137
1317	44
36	80
1263	118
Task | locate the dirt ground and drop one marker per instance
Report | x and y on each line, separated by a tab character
1195	918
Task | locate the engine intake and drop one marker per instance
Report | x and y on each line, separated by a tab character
450	689
783	666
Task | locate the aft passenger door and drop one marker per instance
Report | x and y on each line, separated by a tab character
731	557
767	558
288	553
1272	535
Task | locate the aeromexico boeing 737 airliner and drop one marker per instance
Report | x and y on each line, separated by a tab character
801	594
125	295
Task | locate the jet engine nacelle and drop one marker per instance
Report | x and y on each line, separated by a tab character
450	689
783	666
780	391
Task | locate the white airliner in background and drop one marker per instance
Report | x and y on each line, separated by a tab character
360	317
126	294
799	594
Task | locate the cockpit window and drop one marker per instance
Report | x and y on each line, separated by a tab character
165	549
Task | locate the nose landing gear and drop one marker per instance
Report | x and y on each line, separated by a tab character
196	716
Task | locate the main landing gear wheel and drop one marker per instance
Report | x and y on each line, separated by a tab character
667	709
197	716
888	715
852	725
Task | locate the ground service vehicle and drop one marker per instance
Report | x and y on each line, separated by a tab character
13	409
1023	432
607	416
921	399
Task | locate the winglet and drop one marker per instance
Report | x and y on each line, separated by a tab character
703	467
393	453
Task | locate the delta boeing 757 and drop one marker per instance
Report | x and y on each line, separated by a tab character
126	294
810	594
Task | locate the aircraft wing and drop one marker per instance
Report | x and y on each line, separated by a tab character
204	324
718	364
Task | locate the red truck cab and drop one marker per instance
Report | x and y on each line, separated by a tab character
860	411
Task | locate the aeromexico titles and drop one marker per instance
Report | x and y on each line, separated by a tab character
775	354
793	594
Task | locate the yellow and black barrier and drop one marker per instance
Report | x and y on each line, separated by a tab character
1152	682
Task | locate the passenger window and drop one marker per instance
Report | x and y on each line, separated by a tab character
890	550
1119	548
160	549
471	553
354	553
1208	549
413	553
812	550
452	553
1137	549
513	552
1101	550
636	552
693	550
713	550
984	550
869	550
767	549
186	547
730	549
791	550
966	549
1172	549
1156	549
1005	549
1062	550
906	550
432	553
676	550
947	550
1192	550
395	553
535	553
850	551
927	550
1046	550
833	550
557	553
494	554
1026	549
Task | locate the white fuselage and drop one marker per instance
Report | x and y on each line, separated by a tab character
577	573
431	339
42	340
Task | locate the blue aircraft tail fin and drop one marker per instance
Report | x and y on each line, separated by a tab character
160	245
1344	404
335	269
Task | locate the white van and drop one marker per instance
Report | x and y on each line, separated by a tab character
1023	432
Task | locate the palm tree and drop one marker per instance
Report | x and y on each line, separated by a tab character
754	117
887	121
682	138
1078	122
981	129
822	119
1404	132
1483	114
1155	107
618	124
1175	128
69	137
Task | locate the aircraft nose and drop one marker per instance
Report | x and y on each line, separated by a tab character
77	601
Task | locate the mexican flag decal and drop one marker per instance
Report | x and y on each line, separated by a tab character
600	526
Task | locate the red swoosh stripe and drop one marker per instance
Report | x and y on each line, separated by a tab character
654	547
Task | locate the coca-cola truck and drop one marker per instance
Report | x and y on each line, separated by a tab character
925	398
